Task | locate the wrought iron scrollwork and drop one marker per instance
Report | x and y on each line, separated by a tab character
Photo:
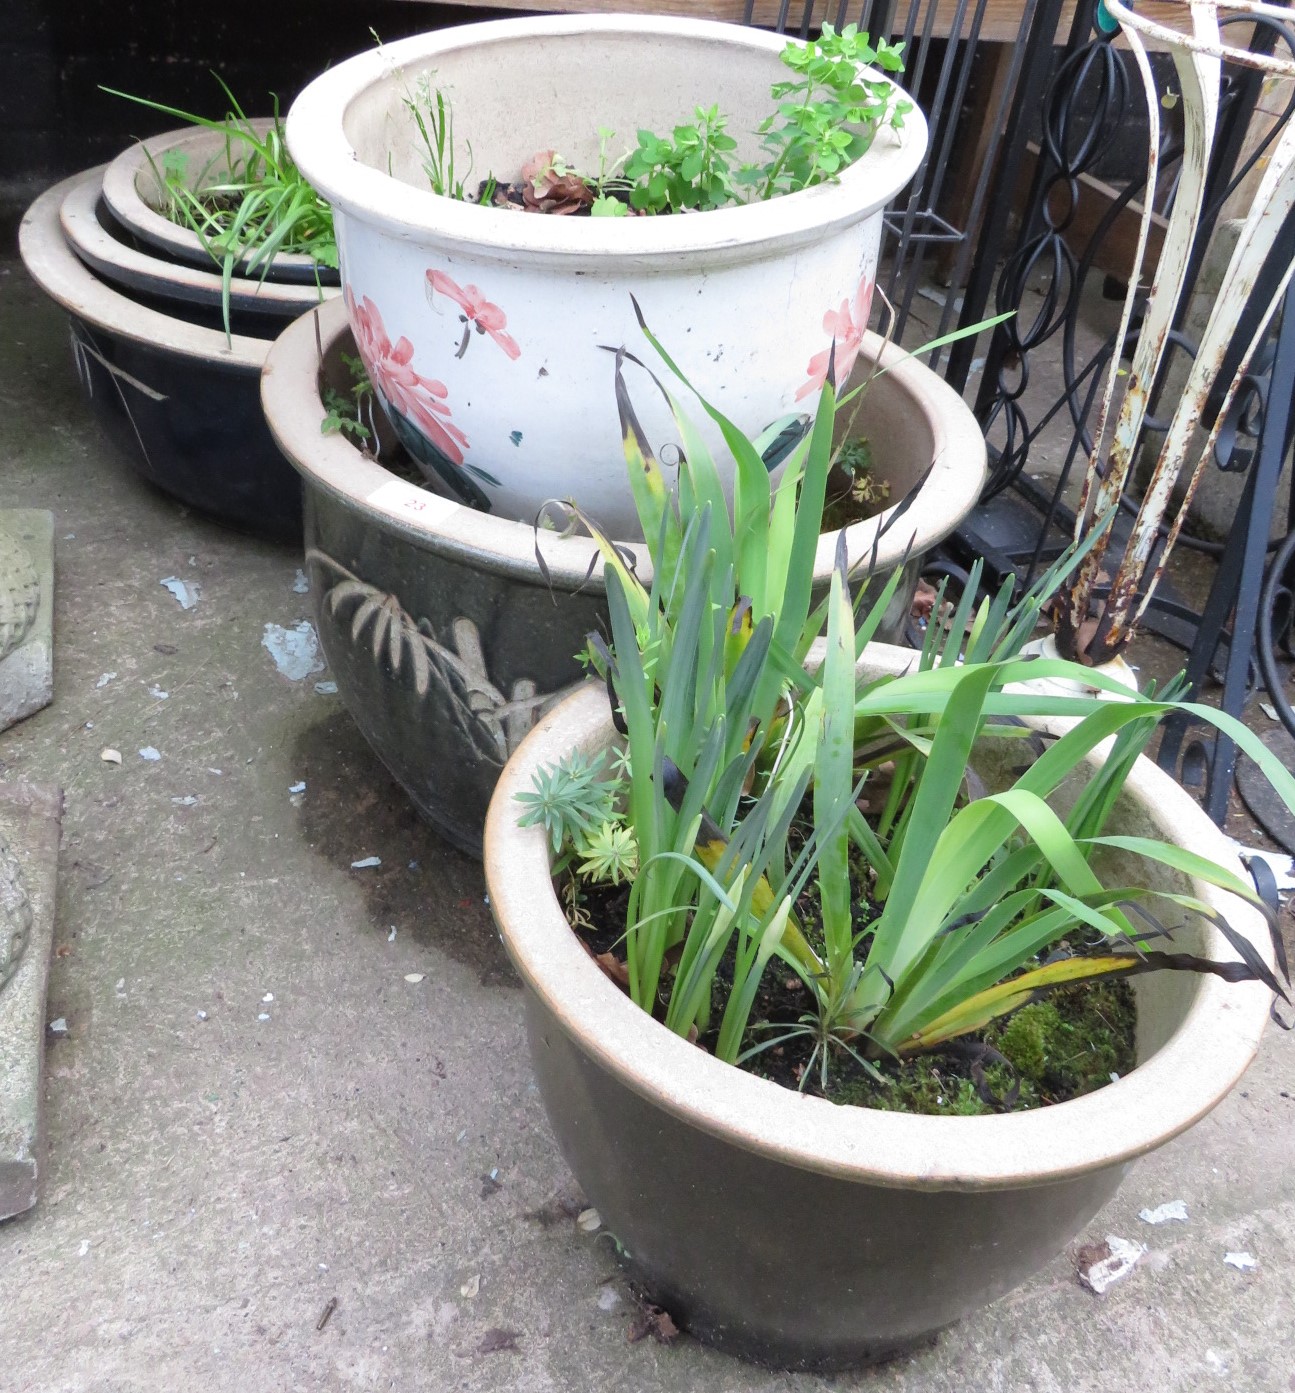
1087	99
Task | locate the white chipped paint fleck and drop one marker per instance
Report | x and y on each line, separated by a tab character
295	650
1172	1211
186	592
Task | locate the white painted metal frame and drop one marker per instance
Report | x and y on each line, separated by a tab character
1198	58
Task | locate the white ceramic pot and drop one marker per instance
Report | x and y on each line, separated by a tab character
487	331
1116	669
500	609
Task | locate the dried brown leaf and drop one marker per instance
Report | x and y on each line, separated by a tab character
655	1321
498	1339
539	166
615	969
923	600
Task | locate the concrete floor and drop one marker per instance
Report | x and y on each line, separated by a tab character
216	1180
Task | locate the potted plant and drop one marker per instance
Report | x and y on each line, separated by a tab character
169	191
258	308
449	630
215	215
725	783
223	190
182	400
510	313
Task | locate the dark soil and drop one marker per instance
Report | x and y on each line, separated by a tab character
1072	1042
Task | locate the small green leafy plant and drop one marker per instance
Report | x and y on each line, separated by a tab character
249	202
690	171
752	742
829	113
351	411
826	116
856	491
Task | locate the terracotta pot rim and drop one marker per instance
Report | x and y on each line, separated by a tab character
289	392
322	151
121	193
1178	1085
56	269
105	255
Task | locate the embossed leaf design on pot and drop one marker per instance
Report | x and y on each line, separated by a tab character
493	723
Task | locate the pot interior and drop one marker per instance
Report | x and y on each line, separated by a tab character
901	438
513	96
205	158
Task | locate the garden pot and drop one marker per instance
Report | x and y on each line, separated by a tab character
181	401
487	331
264	308
1114	669
134	195
800	1233
444	633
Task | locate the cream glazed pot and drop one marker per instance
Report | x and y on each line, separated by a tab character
487	331
799	1233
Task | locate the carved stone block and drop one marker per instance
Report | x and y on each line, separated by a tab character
30	819
26	612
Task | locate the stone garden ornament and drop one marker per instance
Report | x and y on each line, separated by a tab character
26	604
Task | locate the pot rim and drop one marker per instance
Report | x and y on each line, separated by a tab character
1162	1097
60	274
318	142
128	206
106	256
290	396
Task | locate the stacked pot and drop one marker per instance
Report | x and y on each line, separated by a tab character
451	621
147	307
451	624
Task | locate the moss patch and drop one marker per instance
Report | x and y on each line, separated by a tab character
1062	1047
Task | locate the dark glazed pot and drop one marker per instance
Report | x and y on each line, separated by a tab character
799	1233
446	637
264	308
443	660
182	402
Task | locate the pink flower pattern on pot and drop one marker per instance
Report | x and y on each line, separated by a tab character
420	399
846	327
478	313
